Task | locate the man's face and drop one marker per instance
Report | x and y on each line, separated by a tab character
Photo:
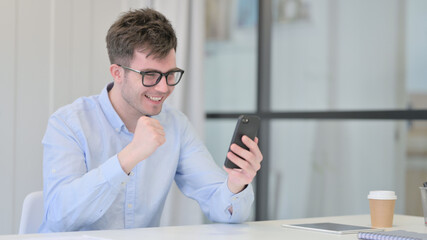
147	100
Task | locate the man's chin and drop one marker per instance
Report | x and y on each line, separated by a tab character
154	112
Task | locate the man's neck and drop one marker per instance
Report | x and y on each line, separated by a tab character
127	117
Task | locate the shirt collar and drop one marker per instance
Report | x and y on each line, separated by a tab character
108	109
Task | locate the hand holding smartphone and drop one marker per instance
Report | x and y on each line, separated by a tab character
246	125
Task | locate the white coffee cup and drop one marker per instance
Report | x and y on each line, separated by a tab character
381	204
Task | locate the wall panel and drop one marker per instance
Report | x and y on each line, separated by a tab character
81	43
61	54
104	14
32	91
7	114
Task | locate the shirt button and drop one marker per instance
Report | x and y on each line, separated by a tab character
131	173
234	198
117	130
129	205
123	183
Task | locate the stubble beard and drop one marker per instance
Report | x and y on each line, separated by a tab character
135	101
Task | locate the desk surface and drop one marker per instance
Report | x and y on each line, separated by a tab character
262	230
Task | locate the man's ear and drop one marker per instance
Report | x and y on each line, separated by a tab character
117	73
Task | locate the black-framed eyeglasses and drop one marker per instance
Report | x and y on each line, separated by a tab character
153	77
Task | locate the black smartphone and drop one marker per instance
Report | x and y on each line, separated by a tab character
246	125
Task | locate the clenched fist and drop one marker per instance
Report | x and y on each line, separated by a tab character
148	136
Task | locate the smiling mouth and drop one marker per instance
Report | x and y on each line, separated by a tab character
155	99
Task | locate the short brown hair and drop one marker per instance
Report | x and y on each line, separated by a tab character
144	29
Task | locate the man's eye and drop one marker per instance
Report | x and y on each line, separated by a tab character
151	76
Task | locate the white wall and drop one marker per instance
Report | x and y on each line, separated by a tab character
24	107
7	114
52	52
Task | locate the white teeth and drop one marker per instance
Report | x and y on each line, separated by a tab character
154	98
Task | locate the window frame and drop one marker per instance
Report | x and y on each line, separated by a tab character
263	109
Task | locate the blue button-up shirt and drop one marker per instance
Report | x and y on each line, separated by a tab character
85	187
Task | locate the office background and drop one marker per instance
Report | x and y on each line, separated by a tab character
325	55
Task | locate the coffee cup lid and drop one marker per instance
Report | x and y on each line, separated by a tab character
383	195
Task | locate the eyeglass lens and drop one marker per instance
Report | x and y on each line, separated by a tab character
152	78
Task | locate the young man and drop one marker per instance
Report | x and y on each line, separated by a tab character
110	159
